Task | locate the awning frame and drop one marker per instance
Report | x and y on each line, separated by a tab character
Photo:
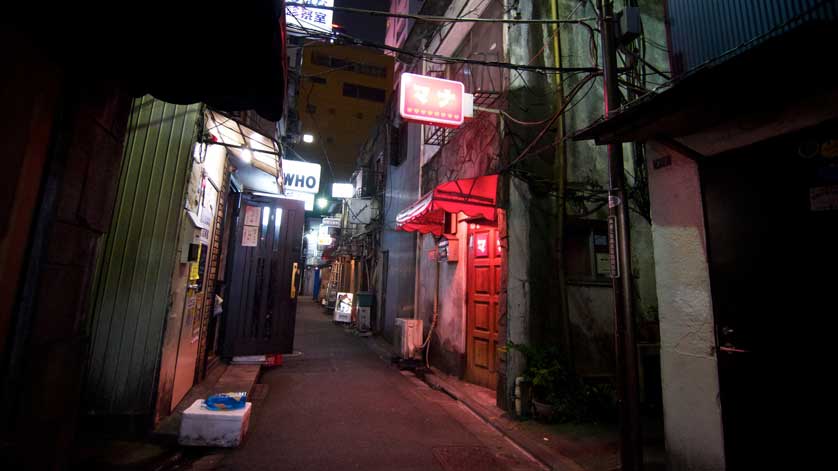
426	216
229	132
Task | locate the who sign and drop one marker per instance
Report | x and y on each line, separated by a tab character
431	100
301	176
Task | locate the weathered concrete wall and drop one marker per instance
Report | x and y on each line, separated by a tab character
402	191
517	321
591	312
448	345
692	413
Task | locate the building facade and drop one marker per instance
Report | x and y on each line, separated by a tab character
534	272
742	180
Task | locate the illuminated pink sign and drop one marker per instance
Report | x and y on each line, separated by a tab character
431	100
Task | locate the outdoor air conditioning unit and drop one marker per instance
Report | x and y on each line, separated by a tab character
408	338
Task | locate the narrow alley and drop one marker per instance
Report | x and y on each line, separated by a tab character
341	405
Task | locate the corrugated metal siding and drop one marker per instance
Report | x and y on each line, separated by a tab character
703	30
131	298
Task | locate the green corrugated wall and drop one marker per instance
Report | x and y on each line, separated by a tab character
131	293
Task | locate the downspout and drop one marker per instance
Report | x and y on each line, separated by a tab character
427	344
560	174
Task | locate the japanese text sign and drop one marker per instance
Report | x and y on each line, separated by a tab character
431	100
310	18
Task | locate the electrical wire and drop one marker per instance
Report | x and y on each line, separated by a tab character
441	59
434	19
550	122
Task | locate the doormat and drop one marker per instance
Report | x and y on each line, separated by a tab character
466	458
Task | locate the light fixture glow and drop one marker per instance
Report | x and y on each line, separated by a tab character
343	190
308	138
322	203
246	155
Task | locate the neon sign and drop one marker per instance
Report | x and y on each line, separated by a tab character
431	100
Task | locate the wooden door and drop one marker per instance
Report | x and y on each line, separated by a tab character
483	289
262	305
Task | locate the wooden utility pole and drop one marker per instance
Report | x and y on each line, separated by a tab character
628	397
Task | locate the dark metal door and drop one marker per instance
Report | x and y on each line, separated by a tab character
261	303
772	252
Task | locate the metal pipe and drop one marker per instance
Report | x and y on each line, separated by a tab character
631	447
560	174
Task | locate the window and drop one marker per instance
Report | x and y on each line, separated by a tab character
364	93
324	60
586	256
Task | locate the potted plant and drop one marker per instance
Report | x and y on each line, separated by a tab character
558	394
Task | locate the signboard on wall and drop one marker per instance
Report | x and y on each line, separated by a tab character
307	198
310	18
330	222
431	100
301	176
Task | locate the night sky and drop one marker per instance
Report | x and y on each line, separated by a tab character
370	28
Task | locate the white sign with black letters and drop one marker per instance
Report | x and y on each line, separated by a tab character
301	176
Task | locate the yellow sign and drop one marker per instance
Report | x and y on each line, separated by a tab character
193	270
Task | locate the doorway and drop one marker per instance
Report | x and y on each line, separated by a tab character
264	276
483	279
772	251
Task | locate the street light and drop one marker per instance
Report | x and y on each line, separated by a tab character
322	203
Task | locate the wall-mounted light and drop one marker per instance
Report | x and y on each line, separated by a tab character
246	155
308	138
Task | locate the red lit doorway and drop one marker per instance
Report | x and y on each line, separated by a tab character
483	279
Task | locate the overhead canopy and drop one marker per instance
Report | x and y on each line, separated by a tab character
250	149
229	55
723	92
474	197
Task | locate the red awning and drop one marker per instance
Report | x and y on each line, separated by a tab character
475	197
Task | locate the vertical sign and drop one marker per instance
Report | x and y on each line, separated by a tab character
613	250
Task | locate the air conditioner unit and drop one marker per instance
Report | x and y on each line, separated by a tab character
408	338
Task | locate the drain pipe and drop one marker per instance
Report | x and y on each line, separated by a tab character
427	344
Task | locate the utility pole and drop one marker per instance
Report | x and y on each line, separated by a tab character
628	397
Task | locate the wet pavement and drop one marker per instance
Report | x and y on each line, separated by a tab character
340	405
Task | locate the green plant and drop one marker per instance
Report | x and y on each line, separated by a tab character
572	399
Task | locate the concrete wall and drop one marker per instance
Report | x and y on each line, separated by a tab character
401	191
448	344
516	324
591	313
692	413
